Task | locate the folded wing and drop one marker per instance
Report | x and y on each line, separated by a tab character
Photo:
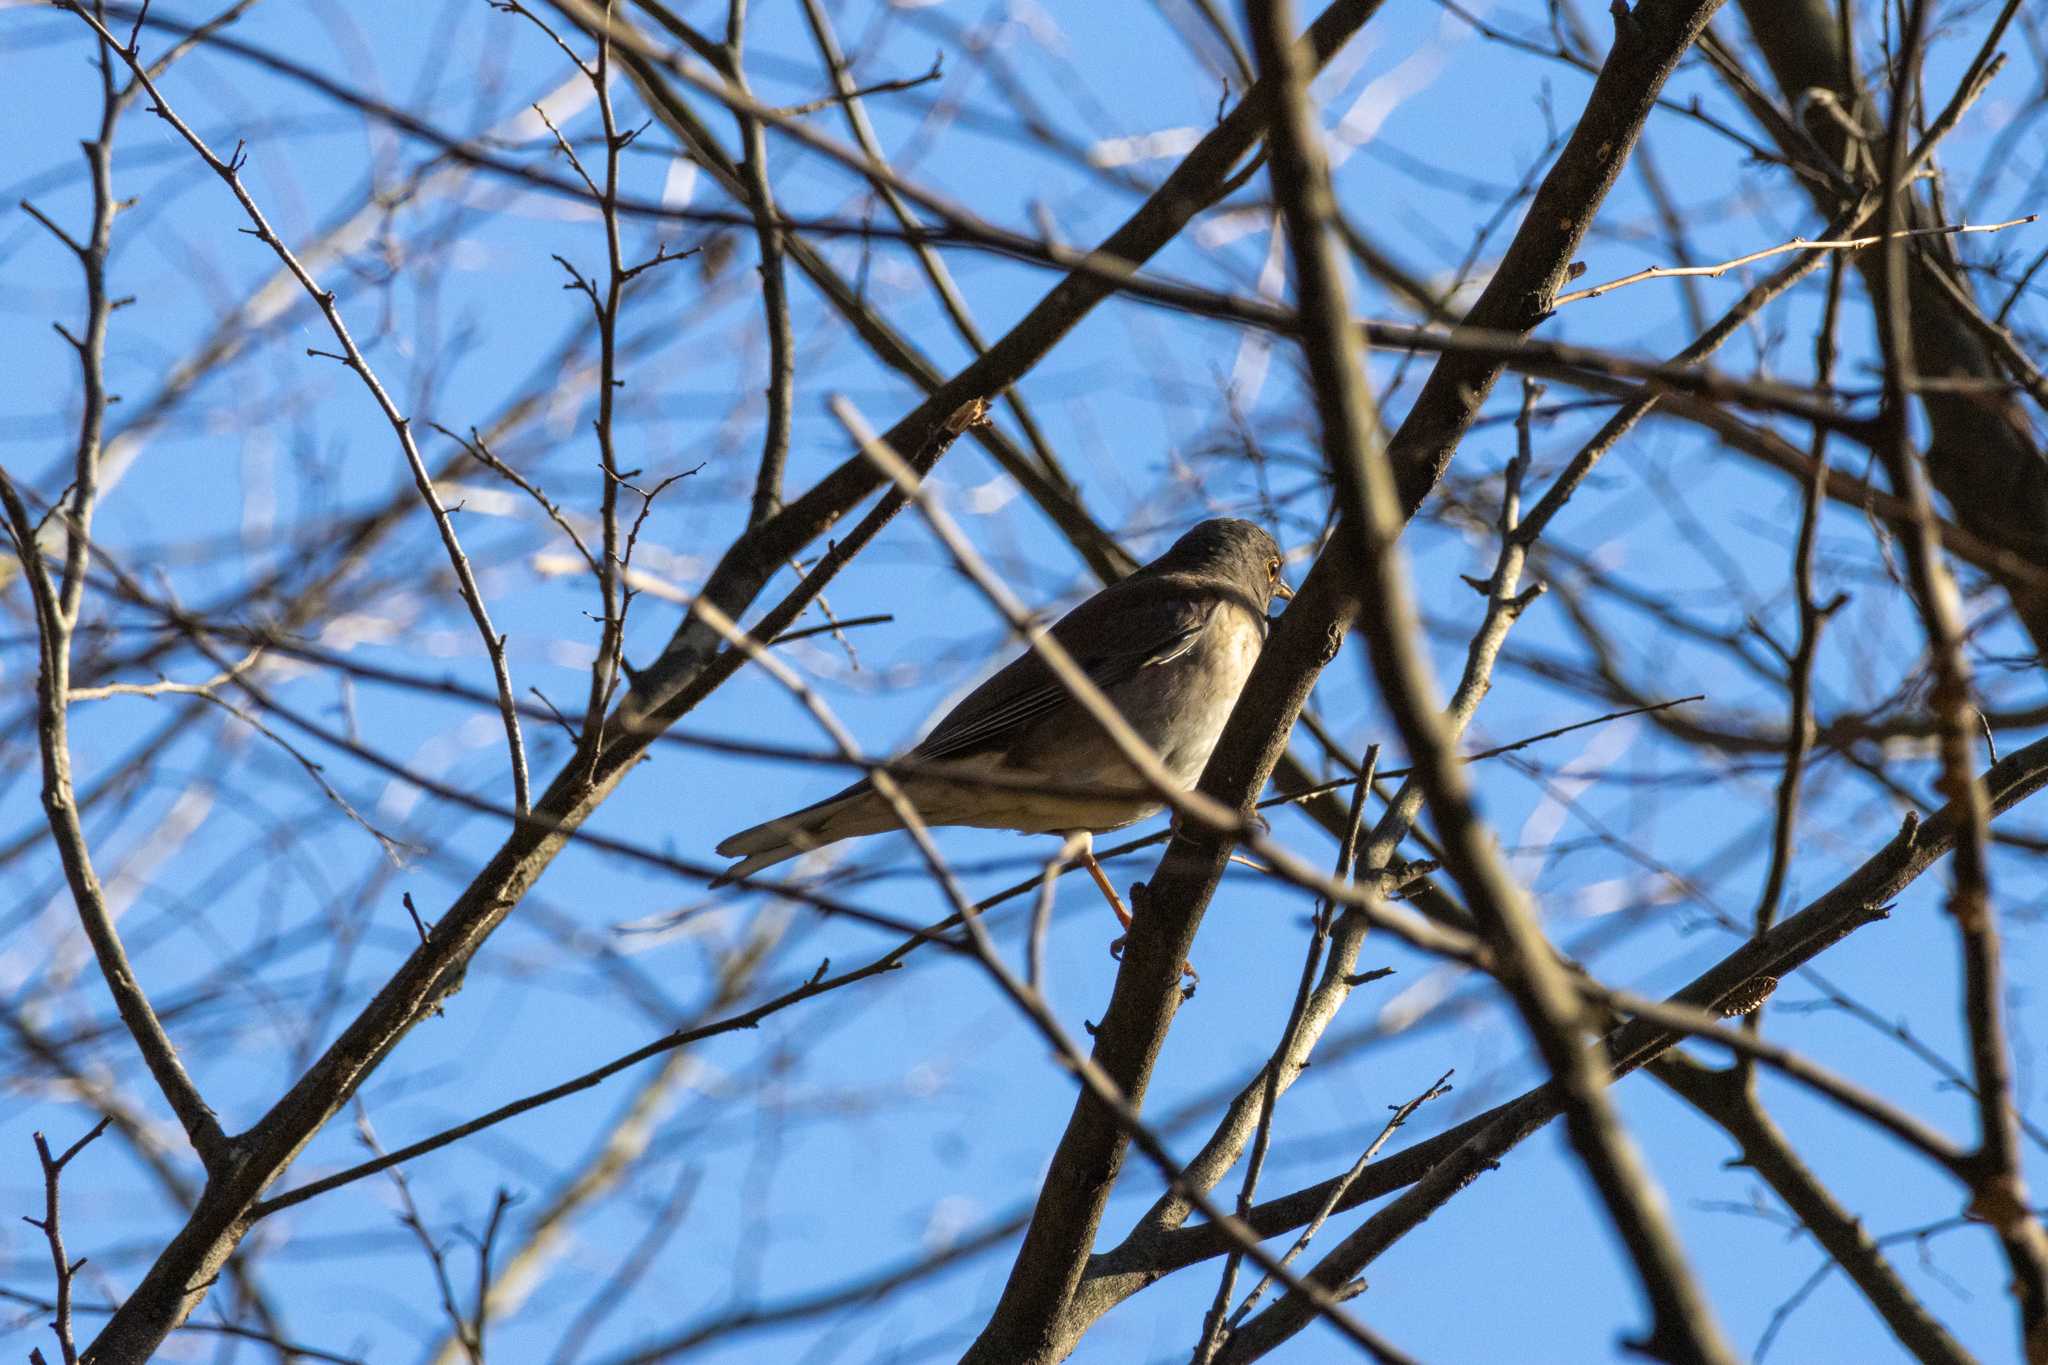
1113	635
1133	625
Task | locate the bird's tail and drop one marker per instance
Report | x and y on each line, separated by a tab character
856	811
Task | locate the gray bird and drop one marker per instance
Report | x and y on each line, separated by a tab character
1171	646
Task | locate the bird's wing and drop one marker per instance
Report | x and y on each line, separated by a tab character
1128	626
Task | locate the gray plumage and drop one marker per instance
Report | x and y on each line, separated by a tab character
1171	646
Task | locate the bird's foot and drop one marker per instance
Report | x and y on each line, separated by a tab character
1190	978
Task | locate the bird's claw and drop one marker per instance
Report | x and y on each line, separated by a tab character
1190	978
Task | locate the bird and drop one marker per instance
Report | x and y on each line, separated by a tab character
1170	645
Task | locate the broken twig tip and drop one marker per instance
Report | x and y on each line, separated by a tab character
969	415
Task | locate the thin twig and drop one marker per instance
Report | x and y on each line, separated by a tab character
1729	1098
51	1226
1672	272
819	984
1051	486
479	450
1041	909
2000	1195
842	97
57	602
1402	1113
165	687
1283	1059
437	1257
1813	615
230	173
768	237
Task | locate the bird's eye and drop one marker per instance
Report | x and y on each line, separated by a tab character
1273	570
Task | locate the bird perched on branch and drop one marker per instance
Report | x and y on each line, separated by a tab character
1171	646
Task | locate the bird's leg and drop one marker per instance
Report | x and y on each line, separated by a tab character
1116	948
1116	902
1080	845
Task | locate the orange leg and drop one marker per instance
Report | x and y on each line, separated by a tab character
1116	902
1123	915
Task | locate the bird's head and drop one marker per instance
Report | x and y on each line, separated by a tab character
1237	551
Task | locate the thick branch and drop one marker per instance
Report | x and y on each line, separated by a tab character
1861	898
1038	1317
1983	456
1729	1100
179	1279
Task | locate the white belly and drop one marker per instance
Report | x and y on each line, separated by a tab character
1227	650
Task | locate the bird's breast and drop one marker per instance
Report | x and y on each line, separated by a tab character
1178	706
1202	688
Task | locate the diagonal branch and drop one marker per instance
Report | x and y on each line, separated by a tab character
1683	1328
1456	1155
1729	1099
689	669
1039	1316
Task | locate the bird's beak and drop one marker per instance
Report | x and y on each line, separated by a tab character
1283	592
